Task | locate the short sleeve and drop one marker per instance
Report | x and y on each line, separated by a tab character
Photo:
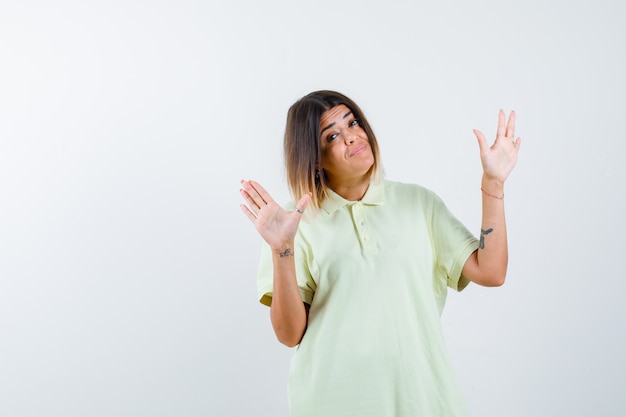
453	244
265	274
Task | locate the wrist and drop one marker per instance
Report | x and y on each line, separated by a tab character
492	187
286	249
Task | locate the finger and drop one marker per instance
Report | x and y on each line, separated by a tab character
248	213
265	196
304	201
510	126
501	132
253	193
482	141
251	202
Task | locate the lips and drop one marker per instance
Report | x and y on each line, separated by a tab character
358	150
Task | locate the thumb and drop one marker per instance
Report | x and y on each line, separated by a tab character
304	201
482	141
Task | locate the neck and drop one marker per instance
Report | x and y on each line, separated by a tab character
352	191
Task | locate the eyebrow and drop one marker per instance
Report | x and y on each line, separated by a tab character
333	123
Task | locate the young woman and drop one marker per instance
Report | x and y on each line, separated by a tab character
358	281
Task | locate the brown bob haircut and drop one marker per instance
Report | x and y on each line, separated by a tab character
303	155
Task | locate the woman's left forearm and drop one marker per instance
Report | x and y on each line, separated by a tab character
487	265
490	260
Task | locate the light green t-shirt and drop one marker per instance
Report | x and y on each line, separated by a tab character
375	273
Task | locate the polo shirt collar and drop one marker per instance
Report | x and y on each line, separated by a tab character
375	196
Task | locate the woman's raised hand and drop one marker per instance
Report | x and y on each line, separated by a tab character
277	226
499	159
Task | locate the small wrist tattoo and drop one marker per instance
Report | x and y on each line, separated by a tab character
483	233
287	252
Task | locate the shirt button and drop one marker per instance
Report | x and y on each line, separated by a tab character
362	222
366	238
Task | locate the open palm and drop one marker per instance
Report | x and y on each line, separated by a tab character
275	225
499	159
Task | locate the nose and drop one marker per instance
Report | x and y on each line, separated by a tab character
349	137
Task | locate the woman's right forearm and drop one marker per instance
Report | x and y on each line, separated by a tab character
287	312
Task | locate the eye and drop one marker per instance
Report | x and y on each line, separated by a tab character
354	122
332	137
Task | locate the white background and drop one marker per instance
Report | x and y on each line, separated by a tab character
127	271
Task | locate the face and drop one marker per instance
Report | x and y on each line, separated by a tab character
346	152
